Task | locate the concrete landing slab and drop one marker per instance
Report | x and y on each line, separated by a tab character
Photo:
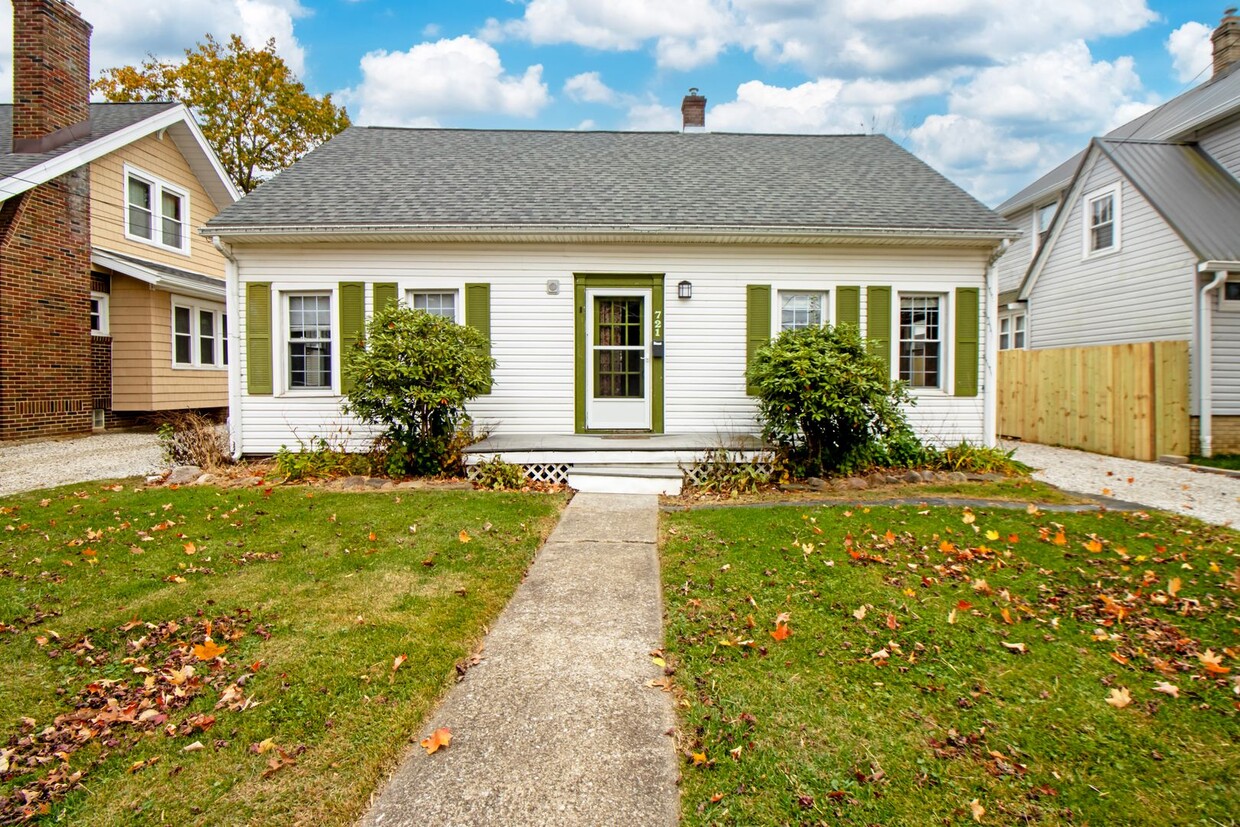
557	725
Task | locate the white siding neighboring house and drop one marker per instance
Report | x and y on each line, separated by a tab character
1145	243
530	236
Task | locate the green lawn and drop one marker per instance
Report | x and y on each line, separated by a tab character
1229	461
939	658
107	595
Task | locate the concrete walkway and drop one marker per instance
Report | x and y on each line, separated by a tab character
557	725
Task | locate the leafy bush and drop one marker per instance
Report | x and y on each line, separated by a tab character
719	471
978	459
321	460
189	438
499	475
830	403
413	374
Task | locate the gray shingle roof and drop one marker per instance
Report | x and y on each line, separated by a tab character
1212	100
1196	196
422	178
105	118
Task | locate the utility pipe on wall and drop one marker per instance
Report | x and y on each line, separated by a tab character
1205	368
990	370
232	298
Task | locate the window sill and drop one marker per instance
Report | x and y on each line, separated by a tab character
302	393
101	334
147	242
1109	251
217	368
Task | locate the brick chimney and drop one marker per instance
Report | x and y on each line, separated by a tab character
1226	40
693	111
51	75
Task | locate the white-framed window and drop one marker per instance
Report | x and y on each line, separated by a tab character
1230	294
1042	218
1101	221
1012	331
99	322
199	334
799	309
444	303
308	346
156	212
921	340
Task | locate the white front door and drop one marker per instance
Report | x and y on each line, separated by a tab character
618	375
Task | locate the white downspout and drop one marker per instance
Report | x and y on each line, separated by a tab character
1205	367
232	298
990	368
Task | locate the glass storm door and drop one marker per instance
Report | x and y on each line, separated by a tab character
618	378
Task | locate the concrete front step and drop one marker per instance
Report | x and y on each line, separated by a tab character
620	478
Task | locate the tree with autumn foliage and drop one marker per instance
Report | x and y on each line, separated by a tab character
254	112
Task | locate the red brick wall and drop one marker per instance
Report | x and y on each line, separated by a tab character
51	67
45	347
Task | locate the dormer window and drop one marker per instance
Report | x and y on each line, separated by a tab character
156	212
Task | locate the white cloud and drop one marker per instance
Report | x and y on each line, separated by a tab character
433	80
1191	51
431	30
125	33
984	159
1063	88
811	107
588	87
836	37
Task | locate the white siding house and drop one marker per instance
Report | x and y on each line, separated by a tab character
536	237
1145	243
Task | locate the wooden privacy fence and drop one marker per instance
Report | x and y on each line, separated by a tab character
1122	400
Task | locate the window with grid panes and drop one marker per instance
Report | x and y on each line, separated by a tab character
310	341
800	310
441	303
921	342
619	366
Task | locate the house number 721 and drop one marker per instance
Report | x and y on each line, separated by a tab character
658	325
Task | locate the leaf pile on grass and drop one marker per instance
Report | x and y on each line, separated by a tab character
218	656
906	666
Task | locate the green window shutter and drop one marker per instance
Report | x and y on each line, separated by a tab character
967	340
385	293
757	324
878	322
352	323
258	338
478	310
848	306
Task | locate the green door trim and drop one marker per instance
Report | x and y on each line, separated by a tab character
591	281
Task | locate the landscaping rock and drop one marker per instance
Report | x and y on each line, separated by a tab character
374	482
817	483
454	486
796	486
856	483
891	479
929	476
205	479
247	482
912	476
352	483
411	484
956	476
183	475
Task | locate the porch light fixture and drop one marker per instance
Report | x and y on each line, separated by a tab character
685	290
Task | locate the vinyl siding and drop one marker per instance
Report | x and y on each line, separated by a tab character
143	378
1223	143
161	159
1142	293
1225	366
532	332
1011	267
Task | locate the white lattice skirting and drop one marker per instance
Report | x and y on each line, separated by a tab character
548	472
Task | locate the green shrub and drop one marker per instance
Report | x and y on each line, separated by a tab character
413	375
321	460
830	403
499	475
720	472
978	459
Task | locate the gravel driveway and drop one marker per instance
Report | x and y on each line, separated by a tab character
31	465
1214	498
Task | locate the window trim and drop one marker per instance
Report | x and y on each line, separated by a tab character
777	290
1225	303
947	341
196	306
280	339
158	186
105	314
1038	241
1115	192
406	292
1011	318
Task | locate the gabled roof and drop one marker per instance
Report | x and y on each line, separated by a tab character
416	182
1184	114
1197	197
112	126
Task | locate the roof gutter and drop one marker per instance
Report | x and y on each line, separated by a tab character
466	232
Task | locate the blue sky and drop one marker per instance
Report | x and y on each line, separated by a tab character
990	92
